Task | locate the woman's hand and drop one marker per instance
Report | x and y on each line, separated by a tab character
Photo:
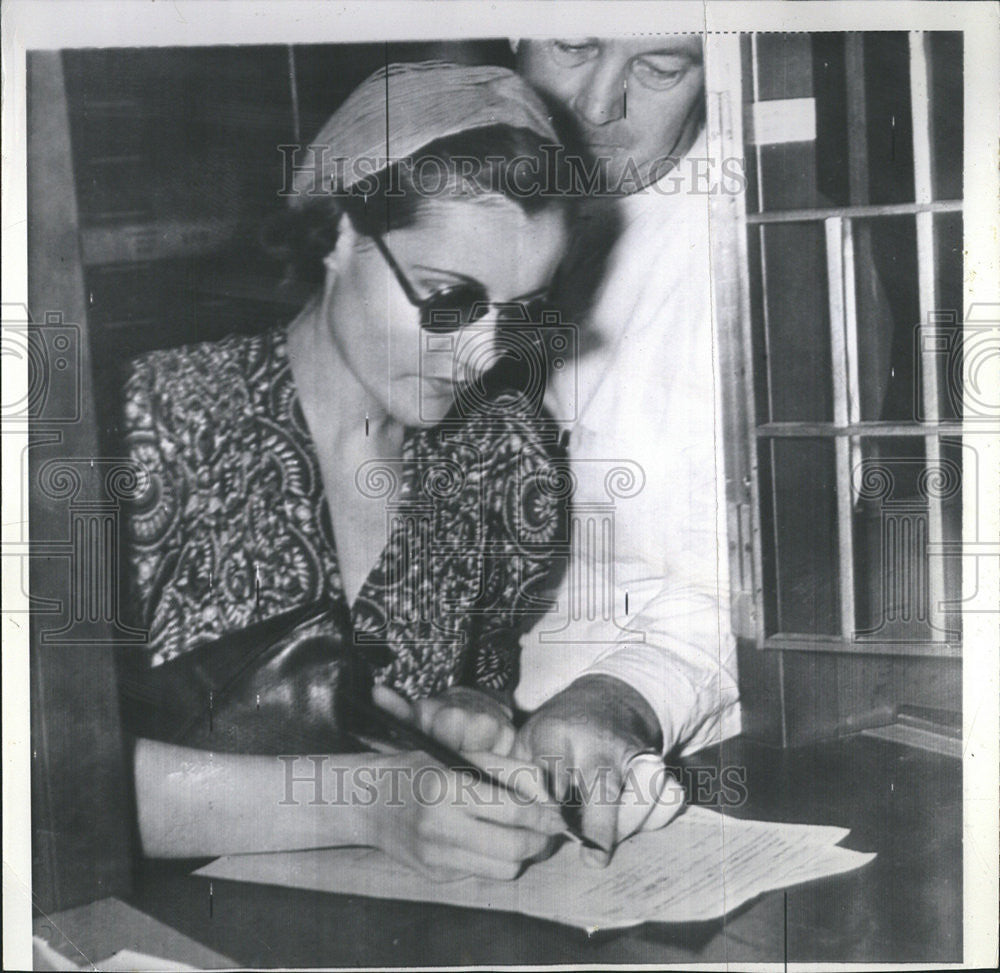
448	826
193	804
461	718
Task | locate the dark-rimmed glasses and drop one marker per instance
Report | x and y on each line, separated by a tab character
449	308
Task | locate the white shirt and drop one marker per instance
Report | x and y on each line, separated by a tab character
646	391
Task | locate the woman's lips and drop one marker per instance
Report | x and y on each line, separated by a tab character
442	386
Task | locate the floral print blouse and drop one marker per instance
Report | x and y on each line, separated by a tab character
233	526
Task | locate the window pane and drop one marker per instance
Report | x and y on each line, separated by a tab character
886	291
956	458
799	535
788	176
889	124
761	379
787	169
797	362
830	86
895	489
890	375
945	53
863	147
784	66
948	255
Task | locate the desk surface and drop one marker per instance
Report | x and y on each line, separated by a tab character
906	906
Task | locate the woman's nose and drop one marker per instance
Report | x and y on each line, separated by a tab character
477	349
600	98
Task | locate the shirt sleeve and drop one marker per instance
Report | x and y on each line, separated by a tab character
677	653
647	396
685	669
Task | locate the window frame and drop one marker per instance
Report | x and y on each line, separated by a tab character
730	59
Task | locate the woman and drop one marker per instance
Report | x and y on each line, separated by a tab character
343	463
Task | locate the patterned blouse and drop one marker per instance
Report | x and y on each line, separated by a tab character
234	527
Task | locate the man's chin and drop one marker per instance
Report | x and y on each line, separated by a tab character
622	175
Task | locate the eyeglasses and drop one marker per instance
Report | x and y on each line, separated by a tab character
454	306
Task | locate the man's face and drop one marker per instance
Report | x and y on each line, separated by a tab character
635	101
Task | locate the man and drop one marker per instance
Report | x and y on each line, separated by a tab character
655	668
646	391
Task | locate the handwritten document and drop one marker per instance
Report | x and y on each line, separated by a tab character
701	866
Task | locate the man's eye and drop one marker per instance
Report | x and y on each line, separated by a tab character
659	77
570	53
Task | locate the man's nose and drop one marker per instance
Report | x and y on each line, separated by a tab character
601	98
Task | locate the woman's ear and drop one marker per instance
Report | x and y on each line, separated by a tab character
338	257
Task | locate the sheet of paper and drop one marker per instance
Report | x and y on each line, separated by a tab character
701	866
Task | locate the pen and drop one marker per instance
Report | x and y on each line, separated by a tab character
406	735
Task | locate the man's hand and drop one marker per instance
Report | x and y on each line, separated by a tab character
585	737
461	718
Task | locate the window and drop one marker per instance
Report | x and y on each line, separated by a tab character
838	296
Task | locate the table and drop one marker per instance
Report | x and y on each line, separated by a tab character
906	906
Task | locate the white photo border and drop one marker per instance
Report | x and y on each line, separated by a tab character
54	24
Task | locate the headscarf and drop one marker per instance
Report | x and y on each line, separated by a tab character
403	107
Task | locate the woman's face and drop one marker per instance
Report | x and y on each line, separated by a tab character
411	373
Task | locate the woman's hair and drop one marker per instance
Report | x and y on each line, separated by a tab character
515	163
